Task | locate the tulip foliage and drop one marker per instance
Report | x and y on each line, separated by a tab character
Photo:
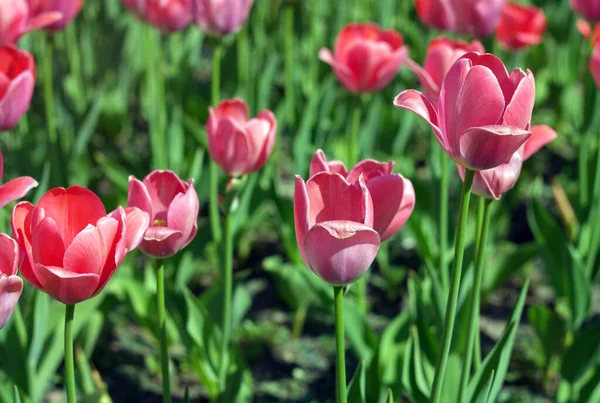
299	201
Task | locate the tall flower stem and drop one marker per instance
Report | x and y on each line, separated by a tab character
227	277
481	210
156	104
443	228
338	297
213	204
353	152
450	317
473	329
69	361
288	21
162	331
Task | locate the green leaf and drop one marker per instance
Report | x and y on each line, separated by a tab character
357	385
239	388
582	353
362	338
484	395
549	327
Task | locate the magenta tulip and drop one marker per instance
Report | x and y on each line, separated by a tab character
14	189
68	9
483	113
590	9
15	20
237	144
521	26
334	227
17	79
393	196
11	285
442	53
222	17
595	64
165	15
366	58
172	206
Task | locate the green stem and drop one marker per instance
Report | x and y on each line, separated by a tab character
20	327
69	361
227	275
156	104
444	179
583	170
473	329
481	211
75	64
213	204
244	64
290	66
162	331
338	296
450	317
361	293
299	319
353	152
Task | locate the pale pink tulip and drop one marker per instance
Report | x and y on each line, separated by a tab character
17	79
165	15
222	17
14	189
16	20
11	285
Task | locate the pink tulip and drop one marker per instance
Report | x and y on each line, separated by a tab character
11	285
71	246
393	195
441	55
165	15
366	58
67	8
222	17
472	17
590	9
15	20
595	64
172	206
493	183
334	227
521	26
483	113
587	31
17	79
14	189
237	144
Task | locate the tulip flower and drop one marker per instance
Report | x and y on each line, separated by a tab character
441	55
172	206
483	114
334	227
15	20
11	285
590	9
67	8
223	17
521	26
393	196
366	58
166	15
492	183
237	144
71	246
17	79
16	188
472	17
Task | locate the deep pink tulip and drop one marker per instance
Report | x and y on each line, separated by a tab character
17	79
366	58
222	17
493	183
71	246
393	195
595	64
334	227
483	113
165	15
11	285
237	144
14	189
441	55
15	20
67	8
521	26
590	9
472	17
172	206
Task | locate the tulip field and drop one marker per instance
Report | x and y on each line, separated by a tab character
350	201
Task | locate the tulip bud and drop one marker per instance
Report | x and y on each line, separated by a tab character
11	285
16	20
521	26
221	18
17	79
165	15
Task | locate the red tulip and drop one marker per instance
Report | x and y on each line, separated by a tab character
11	285
393	195
14	189
17	79
590	9
67	8
483	114
237	144
334	227
224	17
494	182
172	206
472	17
521	26
366	58
441	55
71	246
15	20
595	64
166	15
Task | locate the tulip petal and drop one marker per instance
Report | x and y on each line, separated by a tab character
448	98
419	104
341	71
489	146
136	224
65	286
162	187
16	100
340	252
389	68
161	241
86	254
427	81
108	228
183	213
302	220
9	256
16	189
362	59
518	111
43	20
234	148
236	109
540	136
497	181
319	163
137	196
21	229
48	246
10	291
264	147
369	169
393	203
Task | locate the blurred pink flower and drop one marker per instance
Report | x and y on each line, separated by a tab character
68	9
14	189
17	79
165	15
222	17
521	26
590	9
11	285
15	20
595	64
